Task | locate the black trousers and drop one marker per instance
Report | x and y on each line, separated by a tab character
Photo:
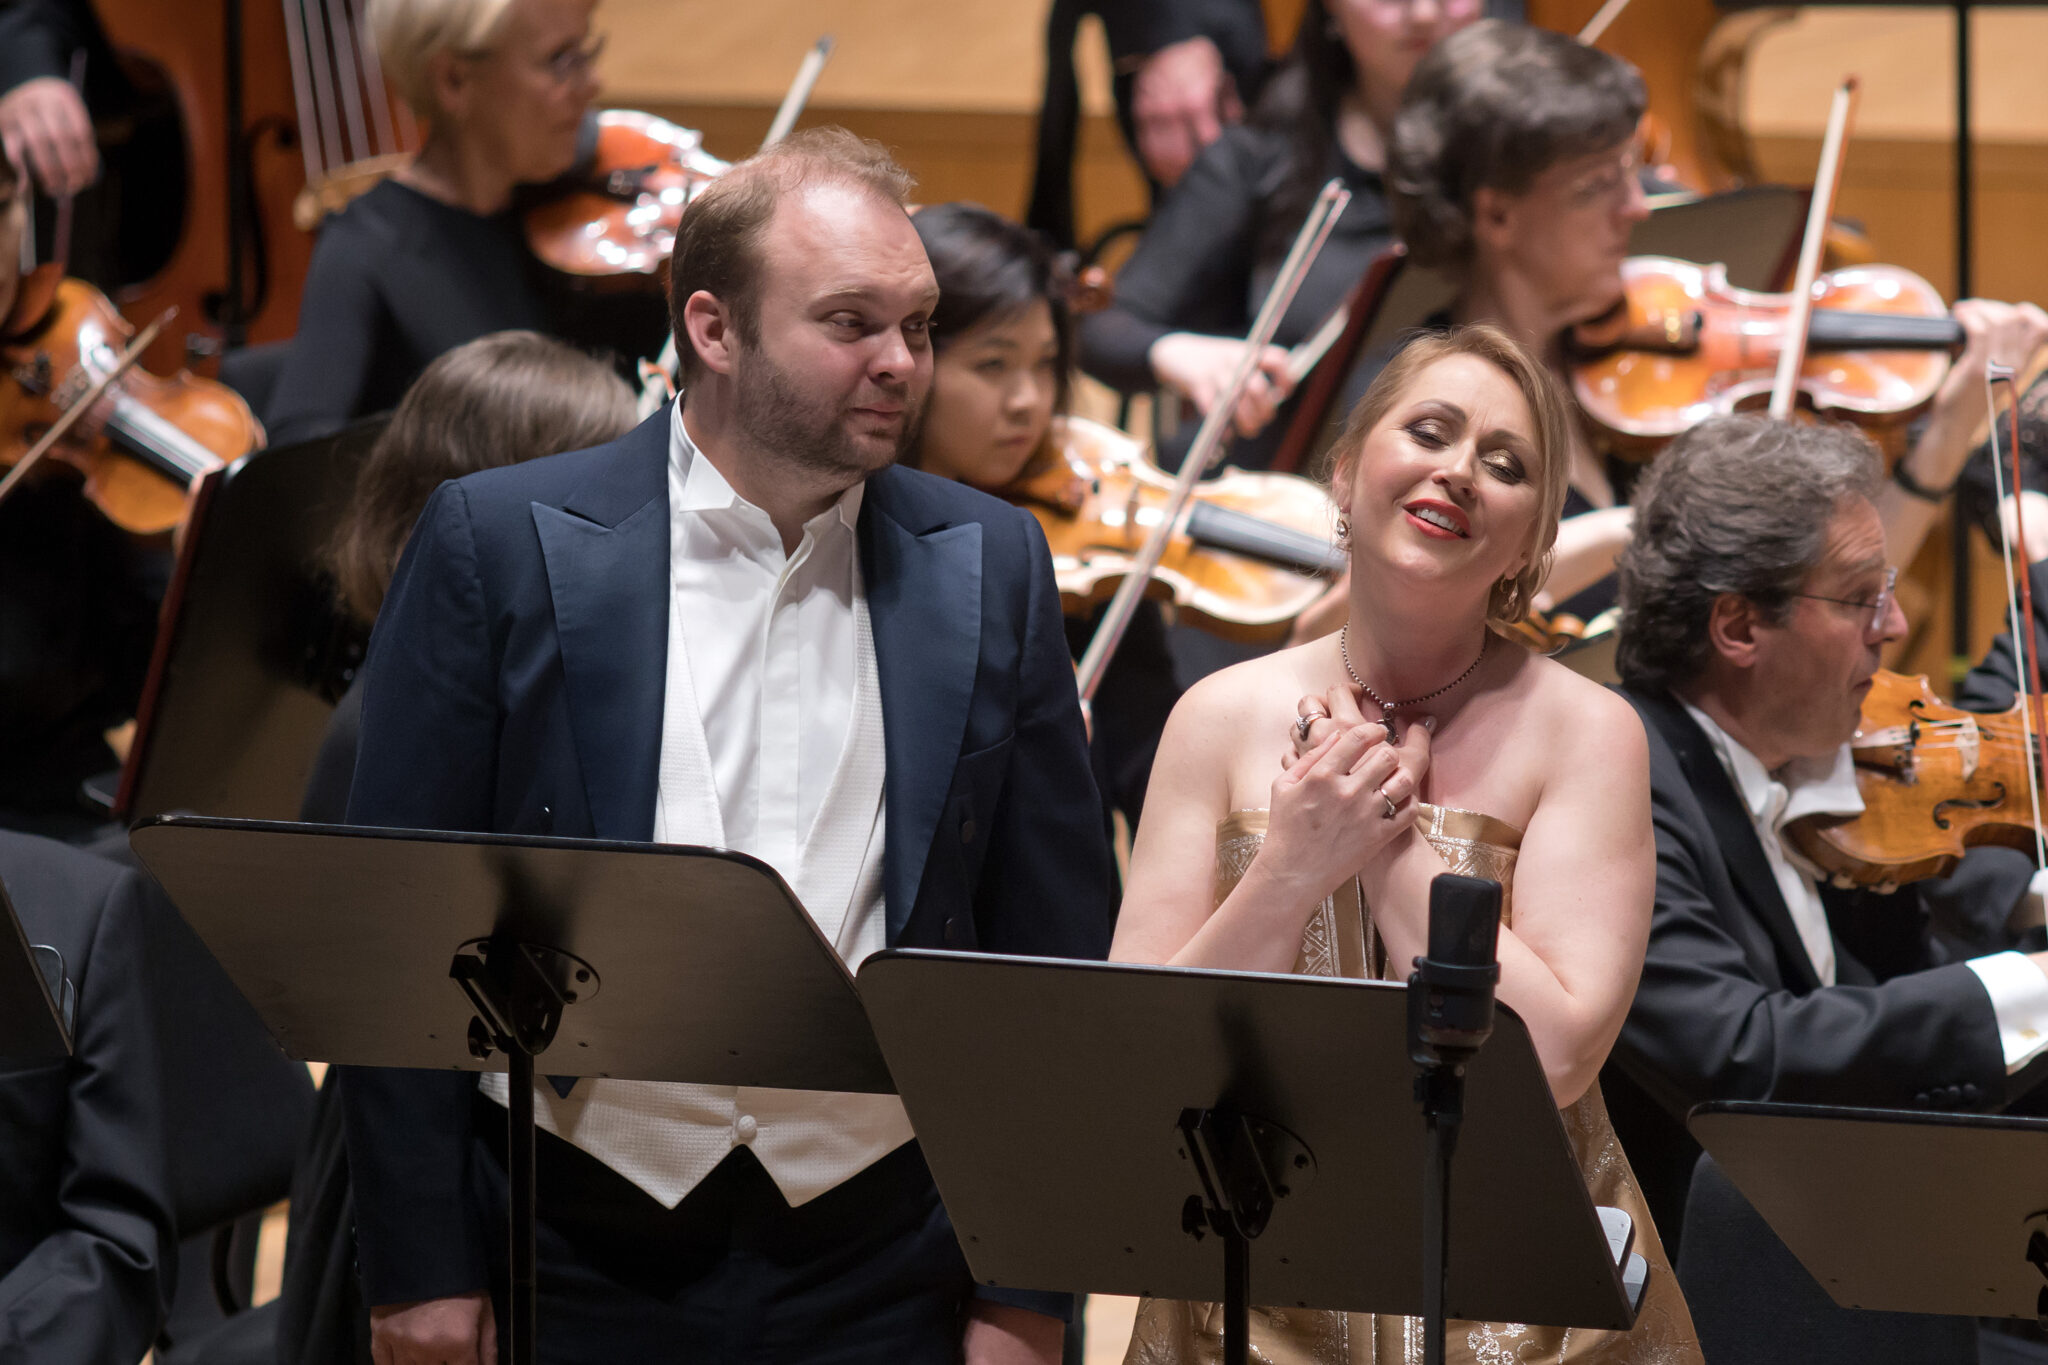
867	1272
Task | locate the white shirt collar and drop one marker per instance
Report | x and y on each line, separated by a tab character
704	489
1802	787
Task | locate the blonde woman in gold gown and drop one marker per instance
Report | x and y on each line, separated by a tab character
1486	759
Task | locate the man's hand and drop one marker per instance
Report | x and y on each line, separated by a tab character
999	1334
44	126
1180	102
457	1331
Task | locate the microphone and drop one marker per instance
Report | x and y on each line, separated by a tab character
1450	994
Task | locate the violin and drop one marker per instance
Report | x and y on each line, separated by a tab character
1685	345
1935	781
154	435
619	219
1247	555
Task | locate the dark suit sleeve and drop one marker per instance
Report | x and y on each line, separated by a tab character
36	39
425	761
1990	685
1047	885
1138	28
1707	1025
94	1289
1047	888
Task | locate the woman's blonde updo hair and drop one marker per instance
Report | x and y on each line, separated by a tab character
411	33
1511	597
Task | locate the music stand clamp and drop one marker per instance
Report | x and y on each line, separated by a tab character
519	991
1245	1164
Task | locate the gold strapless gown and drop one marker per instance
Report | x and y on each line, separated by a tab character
1340	941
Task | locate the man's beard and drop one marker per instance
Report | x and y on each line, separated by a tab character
780	418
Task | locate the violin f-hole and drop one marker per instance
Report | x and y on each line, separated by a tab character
1966	803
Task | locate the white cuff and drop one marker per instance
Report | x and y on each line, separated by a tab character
2019	999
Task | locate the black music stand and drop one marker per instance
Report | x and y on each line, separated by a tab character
253	650
1083	1121
37	1001
639	961
1865	1197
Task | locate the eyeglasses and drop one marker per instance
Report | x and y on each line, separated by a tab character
575	62
1879	609
1609	185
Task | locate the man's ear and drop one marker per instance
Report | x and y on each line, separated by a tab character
1493	218
710	331
1731	629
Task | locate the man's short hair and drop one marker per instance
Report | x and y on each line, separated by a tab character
1737	504
1496	105
718	243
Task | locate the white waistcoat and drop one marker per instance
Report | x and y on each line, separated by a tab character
666	1138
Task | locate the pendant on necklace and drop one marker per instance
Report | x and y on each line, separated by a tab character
1387	719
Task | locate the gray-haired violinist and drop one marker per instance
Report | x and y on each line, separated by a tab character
1756	596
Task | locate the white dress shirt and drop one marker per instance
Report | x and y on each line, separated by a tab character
771	744
2017	988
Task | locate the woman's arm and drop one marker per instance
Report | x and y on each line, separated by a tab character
2005	333
1587	545
1327	819
1584	885
321	388
1191	272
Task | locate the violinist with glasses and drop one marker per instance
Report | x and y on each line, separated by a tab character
1512	168
1756	598
438	255
1186	298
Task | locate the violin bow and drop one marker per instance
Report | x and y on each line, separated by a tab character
2019	590
658	376
83	404
799	95
1602	17
1208	444
1819	210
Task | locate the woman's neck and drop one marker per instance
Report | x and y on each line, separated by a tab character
1363	127
459	175
1403	650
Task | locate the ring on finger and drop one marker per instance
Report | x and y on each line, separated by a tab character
1302	726
1392	810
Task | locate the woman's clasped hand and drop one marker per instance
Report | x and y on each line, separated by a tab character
1341	802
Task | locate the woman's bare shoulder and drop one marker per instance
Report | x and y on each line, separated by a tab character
1239	715
1585	720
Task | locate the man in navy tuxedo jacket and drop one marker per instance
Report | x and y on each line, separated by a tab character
555	635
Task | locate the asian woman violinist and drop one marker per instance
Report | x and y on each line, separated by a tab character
1004	342
436	255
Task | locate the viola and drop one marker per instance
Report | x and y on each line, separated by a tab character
154	435
1935	781
619	219
1685	345
1250	551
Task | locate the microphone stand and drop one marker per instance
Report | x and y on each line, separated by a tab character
1450	1013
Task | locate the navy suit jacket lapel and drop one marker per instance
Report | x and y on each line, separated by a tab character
607	551
1741	850
923	586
